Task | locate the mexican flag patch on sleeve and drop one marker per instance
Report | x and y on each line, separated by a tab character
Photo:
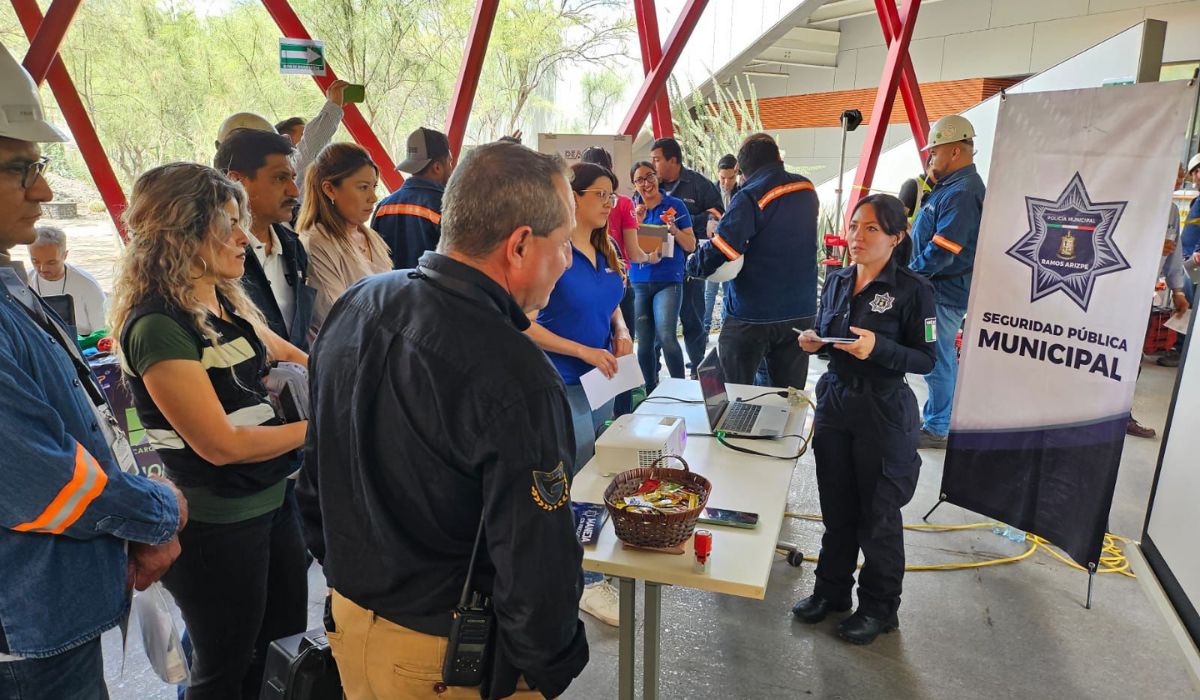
930	330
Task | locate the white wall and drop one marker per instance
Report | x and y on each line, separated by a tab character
726	28
953	39
1174	519
956	39
1115	58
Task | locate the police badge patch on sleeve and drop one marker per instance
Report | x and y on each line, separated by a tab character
550	490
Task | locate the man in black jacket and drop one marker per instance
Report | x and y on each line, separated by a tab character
276	276
703	202
435	416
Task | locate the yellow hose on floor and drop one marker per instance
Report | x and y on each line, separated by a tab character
1112	559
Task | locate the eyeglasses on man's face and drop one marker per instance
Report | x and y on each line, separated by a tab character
29	170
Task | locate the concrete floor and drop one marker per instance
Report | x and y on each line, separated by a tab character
1015	631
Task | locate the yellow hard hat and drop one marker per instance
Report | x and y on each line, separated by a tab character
951	128
21	115
243	120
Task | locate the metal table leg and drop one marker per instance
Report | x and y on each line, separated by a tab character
653	618
628	629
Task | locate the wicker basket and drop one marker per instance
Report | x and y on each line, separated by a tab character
655	529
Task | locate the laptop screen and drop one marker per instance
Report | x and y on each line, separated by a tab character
712	385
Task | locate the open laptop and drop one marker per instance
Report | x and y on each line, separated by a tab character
738	417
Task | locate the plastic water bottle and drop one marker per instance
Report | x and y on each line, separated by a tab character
1010	532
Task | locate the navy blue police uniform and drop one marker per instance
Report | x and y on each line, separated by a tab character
866	432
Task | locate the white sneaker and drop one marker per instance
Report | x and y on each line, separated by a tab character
602	601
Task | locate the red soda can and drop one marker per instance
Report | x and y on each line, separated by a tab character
703	546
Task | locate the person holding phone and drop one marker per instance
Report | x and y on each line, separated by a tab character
867	424
658	282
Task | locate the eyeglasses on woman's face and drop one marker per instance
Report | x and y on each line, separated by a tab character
604	195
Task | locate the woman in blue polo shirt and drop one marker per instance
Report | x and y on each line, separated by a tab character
658	283
581	327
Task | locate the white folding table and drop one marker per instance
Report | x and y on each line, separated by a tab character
741	559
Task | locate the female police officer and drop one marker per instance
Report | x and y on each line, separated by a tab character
867	423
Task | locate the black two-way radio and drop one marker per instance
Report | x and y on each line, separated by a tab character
470	642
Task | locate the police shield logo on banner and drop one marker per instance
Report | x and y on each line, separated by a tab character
1059	304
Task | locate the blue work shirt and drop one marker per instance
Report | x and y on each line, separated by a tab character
66	508
670	269
772	223
1190	237
581	308
945	234
410	220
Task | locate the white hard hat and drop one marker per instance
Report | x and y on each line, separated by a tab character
21	115
1194	163
243	120
951	128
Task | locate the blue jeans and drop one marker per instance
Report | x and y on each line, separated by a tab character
586	423
77	674
656	314
710	304
624	401
945	371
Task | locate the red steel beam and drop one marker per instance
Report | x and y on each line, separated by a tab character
656	82
910	89
885	97
651	48
468	75
43	47
292	28
78	122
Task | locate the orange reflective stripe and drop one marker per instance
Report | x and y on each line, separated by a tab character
725	248
411	210
86	484
782	190
946	243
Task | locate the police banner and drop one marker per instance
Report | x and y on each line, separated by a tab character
1070	243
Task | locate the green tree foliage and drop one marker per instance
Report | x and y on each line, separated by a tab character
158	78
601	91
709	126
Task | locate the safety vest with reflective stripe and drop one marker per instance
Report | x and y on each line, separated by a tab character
410	221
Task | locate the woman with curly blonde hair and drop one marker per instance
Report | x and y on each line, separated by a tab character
193	351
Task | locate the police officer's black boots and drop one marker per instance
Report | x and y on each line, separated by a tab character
862	629
814	608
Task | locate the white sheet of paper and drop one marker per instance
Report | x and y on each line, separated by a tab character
600	389
1179	323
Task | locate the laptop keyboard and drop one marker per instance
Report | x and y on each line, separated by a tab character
740	417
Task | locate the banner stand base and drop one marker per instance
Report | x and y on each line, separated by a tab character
1091	580
941	500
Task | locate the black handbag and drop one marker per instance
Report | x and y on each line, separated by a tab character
301	667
